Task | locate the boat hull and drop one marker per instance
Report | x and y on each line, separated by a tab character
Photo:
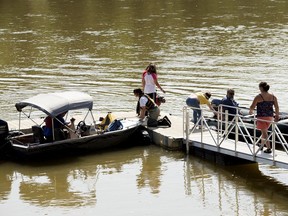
120	139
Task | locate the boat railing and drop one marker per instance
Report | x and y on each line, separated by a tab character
238	127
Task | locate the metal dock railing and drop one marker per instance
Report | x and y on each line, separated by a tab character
215	135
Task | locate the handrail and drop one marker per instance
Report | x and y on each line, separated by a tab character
236	125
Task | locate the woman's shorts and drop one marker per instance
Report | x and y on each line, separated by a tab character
264	122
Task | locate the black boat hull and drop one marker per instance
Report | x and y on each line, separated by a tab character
116	139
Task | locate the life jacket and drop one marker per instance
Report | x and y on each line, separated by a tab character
150	103
106	121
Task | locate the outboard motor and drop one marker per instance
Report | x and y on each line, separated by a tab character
141	137
4	132
146	139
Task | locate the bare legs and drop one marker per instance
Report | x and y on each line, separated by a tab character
265	141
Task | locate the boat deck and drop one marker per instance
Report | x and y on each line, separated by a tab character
26	124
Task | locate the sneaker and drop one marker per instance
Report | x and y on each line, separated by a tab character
167	119
268	151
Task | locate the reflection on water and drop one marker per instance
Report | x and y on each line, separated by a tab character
102	47
142	174
233	188
150	175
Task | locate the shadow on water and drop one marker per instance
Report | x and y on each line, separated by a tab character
256	181
240	179
60	181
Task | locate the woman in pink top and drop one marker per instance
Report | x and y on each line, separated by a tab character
150	81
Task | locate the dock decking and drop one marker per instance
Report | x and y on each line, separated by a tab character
174	138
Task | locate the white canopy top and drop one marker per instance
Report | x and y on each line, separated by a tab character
56	103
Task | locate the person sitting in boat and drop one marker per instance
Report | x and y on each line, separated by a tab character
228	103
147	104
59	124
195	100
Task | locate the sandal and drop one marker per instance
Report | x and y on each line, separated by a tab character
260	146
268	151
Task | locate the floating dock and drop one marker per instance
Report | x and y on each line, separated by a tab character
207	144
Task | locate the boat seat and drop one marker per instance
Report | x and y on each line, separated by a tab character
60	134
38	134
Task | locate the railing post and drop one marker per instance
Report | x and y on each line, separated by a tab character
218	125
236	131
186	112
184	122
226	122
220	117
254	136
273	141
201	118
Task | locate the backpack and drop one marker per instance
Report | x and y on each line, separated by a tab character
106	121
115	125
159	99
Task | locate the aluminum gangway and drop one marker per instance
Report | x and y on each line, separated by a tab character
216	132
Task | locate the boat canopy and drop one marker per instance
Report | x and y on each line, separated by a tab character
56	103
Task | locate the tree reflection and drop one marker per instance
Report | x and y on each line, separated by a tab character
58	188
5	184
56	183
150	172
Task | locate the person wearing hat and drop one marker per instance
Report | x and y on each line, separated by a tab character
195	100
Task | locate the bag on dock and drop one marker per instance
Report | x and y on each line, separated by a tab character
165	121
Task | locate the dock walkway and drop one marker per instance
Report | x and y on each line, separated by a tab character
240	149
206	140
246	141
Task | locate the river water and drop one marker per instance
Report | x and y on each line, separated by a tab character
102	47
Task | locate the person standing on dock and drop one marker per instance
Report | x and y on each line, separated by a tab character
147	104
150	81
265	102
195	100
